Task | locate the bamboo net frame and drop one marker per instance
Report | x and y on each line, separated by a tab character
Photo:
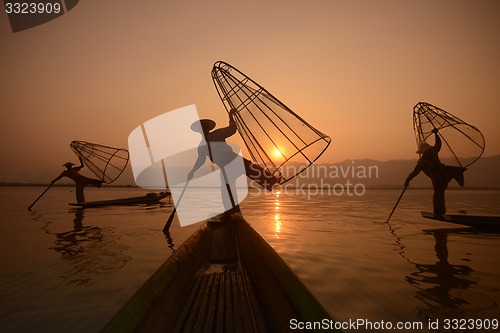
462	143
277	138
106	162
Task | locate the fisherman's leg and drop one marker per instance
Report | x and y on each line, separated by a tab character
95	182
228	191
456	173
439	201
80	197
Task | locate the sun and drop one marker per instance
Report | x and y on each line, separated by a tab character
277	153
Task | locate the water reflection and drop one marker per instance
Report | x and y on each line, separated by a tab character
277	221
441	277
90	251
445	288
170	240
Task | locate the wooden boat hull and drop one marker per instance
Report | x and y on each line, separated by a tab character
478	221
149	198
224	278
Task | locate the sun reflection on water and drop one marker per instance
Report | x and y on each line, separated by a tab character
277	221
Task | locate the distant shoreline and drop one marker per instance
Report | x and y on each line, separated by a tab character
348	174
56	185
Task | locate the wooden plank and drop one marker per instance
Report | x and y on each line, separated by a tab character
219	325
190	322
212	301
248	322
478	221
146	199
228	313
203	299
187	307
237	310
259	322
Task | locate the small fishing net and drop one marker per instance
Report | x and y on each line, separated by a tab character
462	143
277	138
107	163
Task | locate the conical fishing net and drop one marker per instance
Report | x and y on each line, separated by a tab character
107	163
276	137
462	144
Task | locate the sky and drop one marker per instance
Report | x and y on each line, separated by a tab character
353	69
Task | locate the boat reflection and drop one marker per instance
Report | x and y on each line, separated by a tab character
90	251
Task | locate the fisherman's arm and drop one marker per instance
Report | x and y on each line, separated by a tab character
59	177
437	140
414	173
81	163
202	157
223	133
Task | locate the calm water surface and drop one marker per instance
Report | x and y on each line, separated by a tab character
67	269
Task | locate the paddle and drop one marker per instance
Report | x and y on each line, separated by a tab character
397	202
171	217
34	202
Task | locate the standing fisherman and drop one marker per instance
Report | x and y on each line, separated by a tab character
80	181
220	153
439	173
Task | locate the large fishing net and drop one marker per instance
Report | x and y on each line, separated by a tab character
276	137
462	143
107	163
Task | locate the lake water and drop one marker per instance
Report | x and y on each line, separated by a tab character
70	270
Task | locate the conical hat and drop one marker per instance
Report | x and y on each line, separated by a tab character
203	124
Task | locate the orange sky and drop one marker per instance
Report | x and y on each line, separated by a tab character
353	69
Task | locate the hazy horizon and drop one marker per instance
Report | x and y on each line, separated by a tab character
388	173
352	69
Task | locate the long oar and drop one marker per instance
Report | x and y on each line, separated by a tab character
171	217
41	195
397	202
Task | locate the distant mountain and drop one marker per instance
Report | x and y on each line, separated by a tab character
370	173
392	173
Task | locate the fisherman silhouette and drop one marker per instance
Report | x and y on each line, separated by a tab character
219	152
440	174
80	180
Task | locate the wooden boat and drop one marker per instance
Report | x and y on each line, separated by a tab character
224	278
149	198
478	221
